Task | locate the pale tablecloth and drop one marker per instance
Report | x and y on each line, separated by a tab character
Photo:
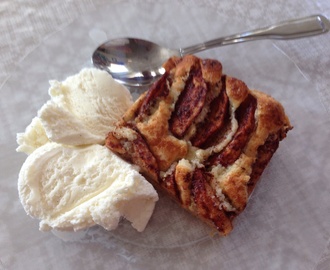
25	23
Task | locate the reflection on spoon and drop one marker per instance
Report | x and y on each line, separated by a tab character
137	62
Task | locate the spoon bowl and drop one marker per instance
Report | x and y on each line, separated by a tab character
132	61
137	62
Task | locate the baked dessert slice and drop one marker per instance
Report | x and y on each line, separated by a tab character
203	137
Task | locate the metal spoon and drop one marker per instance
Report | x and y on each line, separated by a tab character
137	62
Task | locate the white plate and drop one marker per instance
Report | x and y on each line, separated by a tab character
282	225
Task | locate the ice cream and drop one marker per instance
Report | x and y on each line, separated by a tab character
83	107
77	187
33	137
70	181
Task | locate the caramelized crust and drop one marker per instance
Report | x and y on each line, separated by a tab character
203	137
207	203
215	118
246	124
133	148
189	104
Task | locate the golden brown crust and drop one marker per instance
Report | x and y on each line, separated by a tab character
236	90
203	137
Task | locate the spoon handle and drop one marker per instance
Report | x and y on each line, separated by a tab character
303	27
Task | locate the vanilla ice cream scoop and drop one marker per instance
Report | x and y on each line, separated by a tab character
84	107
72	188
70	181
